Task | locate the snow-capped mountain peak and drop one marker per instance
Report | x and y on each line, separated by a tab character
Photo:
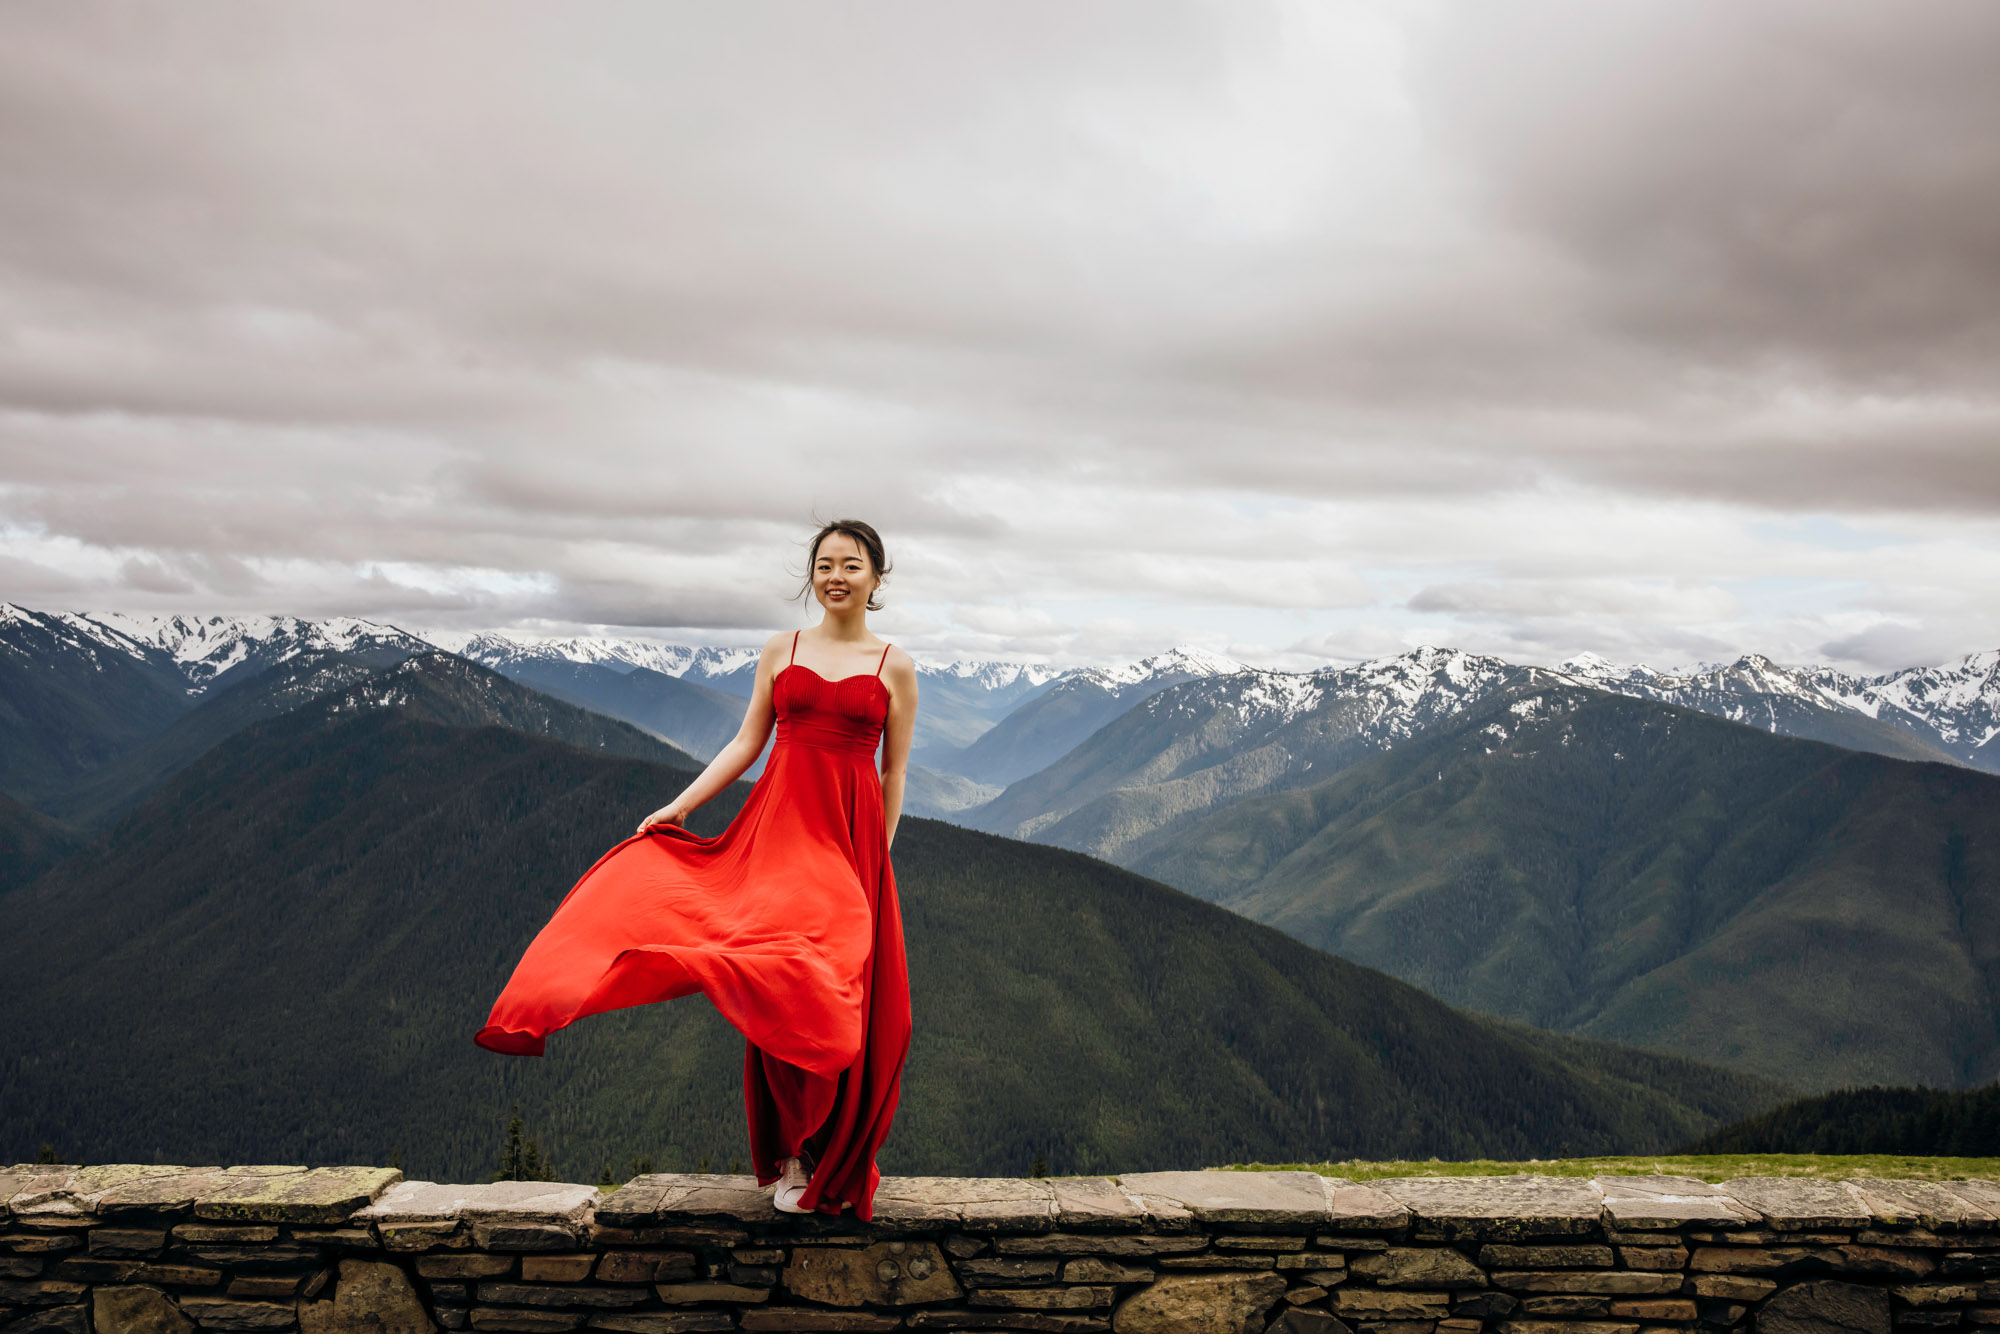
1411	674
1376	704
621	654
203	648
991	673
496	650
1954	707
78	632
1593	667
1957	703
1183	660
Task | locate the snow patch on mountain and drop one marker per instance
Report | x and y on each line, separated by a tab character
1278	696
1405	693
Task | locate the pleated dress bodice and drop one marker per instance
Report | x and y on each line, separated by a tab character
845	715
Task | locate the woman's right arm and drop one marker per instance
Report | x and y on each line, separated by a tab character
742	751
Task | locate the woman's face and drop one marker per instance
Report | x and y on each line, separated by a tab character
842	574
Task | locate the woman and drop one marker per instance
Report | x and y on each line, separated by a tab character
788	919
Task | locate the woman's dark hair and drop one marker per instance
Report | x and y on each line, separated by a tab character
870	541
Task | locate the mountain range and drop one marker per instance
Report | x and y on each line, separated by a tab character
281	950
1786	870
1950	711
970	741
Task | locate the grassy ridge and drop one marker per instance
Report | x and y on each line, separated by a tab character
1702	1167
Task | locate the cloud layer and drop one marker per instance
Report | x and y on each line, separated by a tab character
1662	330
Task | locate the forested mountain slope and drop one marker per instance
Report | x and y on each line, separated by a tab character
1644	873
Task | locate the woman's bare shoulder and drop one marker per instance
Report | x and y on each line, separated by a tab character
899	664
776	649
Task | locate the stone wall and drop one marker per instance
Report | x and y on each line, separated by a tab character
169	1250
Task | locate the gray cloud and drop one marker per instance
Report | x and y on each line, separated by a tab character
1809	185
577	317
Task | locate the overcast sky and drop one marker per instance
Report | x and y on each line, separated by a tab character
1302	332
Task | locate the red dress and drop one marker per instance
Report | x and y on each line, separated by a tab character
787	920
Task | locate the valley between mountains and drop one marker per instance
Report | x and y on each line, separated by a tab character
1176	912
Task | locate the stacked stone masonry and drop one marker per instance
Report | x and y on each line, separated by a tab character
132	1249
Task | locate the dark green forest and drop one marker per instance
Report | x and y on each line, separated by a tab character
30	843
1949	1123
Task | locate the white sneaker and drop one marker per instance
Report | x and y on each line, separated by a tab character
790	1187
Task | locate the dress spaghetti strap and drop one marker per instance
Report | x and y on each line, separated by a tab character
879	661
795	648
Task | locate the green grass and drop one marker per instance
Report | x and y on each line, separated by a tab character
1713	1167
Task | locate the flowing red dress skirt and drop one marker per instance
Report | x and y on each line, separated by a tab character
787	921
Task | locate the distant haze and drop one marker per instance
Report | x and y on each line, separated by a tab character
1300	332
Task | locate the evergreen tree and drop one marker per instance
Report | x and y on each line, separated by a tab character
1040	1167
511	1164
